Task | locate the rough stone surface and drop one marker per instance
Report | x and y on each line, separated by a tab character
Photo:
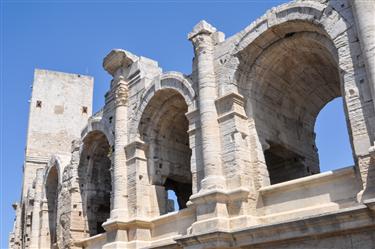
234	140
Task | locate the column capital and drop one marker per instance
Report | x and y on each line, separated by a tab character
201	37
121	92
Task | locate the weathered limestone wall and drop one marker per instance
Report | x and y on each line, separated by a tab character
234	140
362	240
60	105
63	97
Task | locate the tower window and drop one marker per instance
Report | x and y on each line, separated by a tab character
39	104
84	109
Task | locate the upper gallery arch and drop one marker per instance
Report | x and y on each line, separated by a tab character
300	16
97	123
332	21
54	164
168	80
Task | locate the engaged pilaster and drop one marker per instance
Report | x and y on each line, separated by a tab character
210	202
116	63
36	210
203	41
364	18
44	238
363	12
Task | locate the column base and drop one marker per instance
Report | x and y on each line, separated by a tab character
131	232
120	214
214	207
213	182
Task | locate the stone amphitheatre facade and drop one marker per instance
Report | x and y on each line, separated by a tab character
234	140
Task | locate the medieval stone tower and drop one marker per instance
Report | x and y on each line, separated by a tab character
234	141
60	106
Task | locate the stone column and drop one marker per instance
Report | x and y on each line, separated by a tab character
202	38
363	11
35	229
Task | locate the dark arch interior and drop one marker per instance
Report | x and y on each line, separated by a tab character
51	195
286	86
95	181
164	128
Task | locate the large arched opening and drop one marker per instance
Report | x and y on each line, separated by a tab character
163	127
51	193
287	78
95	181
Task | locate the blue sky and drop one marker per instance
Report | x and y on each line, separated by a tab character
75	36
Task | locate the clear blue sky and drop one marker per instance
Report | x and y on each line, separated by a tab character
74	37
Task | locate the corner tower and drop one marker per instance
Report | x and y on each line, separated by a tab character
60	106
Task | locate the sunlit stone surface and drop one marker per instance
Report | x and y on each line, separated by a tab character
234	141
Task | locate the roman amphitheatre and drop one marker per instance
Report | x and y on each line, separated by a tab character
234	140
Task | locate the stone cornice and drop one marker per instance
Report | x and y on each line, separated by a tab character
202	27
118	58
111	225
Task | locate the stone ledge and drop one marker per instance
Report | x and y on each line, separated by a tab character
218	195
325	176
87	241
209	240
345	221
189	211
370	203
111	225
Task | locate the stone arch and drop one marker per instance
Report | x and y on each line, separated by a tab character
180	83
95	180
163	128
302	34
320	18
54	161
98	124
52	183
169	80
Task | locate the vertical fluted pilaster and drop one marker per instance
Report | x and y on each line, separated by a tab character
120	200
